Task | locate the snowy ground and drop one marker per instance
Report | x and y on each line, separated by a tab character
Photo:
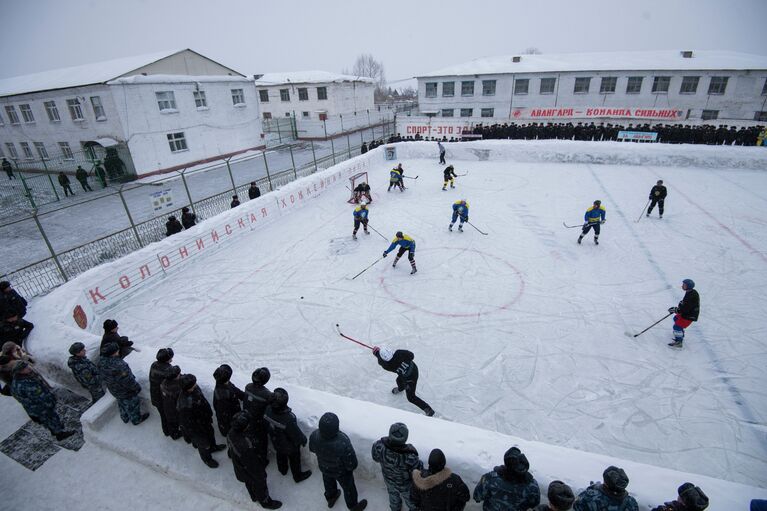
521	332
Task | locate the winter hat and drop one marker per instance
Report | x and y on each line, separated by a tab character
165	354
222	374
109	325
173	373
9	348
280	398
399	234
261	376
240	420
560	495
20	365
660	182
109	349
689	283
615	479
76	348
515	461
437	461
328	425
188	381
398	433
693	497
386	354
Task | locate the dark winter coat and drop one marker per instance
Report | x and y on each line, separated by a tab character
173	227
63	179
118	377
401	363
234	203
689	307
85	372
195	417
658	192
671	506
188	219
397	463
122	341
598	498
227	400
34	394
158	371
499	490
249	465
170	390
11	301
334	450
287	437
15	331
443	491
257	398
81	175
253	192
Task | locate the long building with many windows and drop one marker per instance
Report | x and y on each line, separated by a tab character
665	86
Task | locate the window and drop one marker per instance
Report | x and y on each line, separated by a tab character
264	96
487	112
284	94
177	142
2	122
608	85
634	85
322	93
467	88
26	113
66	151
287	114
431	89
718	84
303	94
98	108
582	84
760	116
305	115
488	88
547	85
40	147
448	89
267	115
707	115
13	117
521	85
689	85
52	110
238	97
166	101
447	112
12	150
467	112
764	87
27	151
660	84
200	101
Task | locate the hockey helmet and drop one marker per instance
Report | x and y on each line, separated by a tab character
597	202
399	234
386	354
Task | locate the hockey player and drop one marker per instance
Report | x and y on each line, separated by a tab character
441	152
686	312
401	363
449	174
594	218
657	196
360	217
360	191
460	208
395	178
406	244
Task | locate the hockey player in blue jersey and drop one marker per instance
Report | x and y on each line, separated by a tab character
460	209
360	217
405	244
593	219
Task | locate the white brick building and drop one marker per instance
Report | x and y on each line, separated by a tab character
665	86
160	112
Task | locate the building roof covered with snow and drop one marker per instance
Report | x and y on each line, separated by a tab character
671	60
270	79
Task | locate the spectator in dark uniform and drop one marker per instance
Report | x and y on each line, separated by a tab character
158	372
8	168
227	398
170	388
35	395
82	176
196	420
561	498
287	437
398	460
438	488
10	300
85	372
609	494
690	498
235	202
188	219
111	335
173	226
121	383
15	329
363	150
510	486
257	399
64	182
253	191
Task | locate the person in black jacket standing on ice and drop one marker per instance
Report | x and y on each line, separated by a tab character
401	363
685	313
657	196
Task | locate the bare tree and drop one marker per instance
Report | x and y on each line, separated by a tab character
532	50
366	65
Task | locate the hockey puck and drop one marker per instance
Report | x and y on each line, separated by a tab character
302	297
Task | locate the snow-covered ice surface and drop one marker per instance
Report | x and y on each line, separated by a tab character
521	332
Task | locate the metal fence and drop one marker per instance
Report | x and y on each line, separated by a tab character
121	219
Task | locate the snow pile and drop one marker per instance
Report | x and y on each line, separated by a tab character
299	77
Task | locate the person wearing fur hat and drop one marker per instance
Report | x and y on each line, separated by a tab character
257	399
158	371
110	335
685	312
227	398
438	488
561	498
10	354
336	460
121	383
398	460
35	395
509	486
195	418
170	388
609	494
401	363
690	498
287	437
85	372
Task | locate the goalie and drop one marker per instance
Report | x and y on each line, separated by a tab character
360	191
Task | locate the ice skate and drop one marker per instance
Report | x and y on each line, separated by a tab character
460	227
413	271
676	344
580	238
450	227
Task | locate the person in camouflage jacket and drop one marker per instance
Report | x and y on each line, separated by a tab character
35	395
509	487
121	383
398	459
85	372
609	495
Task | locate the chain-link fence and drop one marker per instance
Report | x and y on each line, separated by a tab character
92	228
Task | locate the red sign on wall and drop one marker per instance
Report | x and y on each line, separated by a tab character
597	113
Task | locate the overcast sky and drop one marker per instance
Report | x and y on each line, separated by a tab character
409	37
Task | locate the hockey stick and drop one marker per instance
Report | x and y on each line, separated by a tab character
649	327
464	174
471	224
408	177
374	229
572	226
366	269
643	210
338	329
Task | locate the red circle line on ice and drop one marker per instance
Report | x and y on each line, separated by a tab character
519	292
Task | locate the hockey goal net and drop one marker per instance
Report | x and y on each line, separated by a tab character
354	182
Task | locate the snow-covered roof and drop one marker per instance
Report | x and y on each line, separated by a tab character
176	79
308	77
87	74
665	60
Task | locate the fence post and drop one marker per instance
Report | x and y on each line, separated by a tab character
314	156
292	161
130	218
231	178
50	248
188	195
53	187
349	146
279	135
27	191
268	177
362	139
333	150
